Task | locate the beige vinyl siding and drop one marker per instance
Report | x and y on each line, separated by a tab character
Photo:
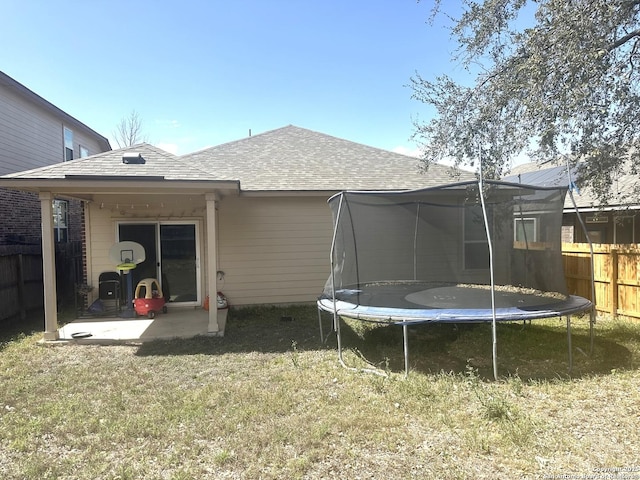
29	136
274	250
103	236
107	211
32	137
81	138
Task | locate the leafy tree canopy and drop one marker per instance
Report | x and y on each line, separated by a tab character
563	84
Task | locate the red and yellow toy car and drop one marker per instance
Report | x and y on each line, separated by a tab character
148	299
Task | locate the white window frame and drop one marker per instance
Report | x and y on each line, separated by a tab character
67	140
60	220
616	225
466	241
84	151
522	222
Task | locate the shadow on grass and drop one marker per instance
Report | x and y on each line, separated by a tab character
260	329
531	351
17	328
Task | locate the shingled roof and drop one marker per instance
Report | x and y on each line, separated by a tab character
157	163
296	159
623	191
286	159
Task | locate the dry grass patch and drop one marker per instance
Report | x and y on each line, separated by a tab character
269	401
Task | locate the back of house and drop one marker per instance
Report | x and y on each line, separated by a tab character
35	133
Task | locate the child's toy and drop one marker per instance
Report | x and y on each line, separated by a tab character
148	298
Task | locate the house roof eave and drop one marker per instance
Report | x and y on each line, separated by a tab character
602	208
288	193
82	186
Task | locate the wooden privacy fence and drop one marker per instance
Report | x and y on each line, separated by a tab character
21	282
616	275
21	289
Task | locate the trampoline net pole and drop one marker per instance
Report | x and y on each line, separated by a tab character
592	314
524	232
336	319
415	243
320	324
494	337
405	338
569	343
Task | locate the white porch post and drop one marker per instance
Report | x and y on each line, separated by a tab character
48	267
212	263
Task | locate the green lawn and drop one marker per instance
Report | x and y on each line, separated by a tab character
270	401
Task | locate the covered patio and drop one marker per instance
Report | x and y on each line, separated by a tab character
138	194
104	330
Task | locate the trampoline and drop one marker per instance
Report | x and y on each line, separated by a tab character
466	252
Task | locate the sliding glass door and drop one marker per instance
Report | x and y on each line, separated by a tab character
172	256
178	260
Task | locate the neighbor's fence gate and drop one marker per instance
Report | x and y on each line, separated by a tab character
616	275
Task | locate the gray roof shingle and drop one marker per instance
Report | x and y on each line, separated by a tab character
296	159
110	164
623	191
285	159
544	177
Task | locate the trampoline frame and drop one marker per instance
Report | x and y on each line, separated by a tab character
573	305
337	308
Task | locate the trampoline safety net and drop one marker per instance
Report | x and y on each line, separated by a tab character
389	248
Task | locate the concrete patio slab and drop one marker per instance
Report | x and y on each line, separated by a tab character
177	323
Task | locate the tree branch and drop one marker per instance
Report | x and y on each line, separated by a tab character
623	40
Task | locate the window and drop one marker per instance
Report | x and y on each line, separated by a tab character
623	229
84	152
476	248
60	220
68	144
525	230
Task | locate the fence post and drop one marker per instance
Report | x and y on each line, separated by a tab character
613	282
21	296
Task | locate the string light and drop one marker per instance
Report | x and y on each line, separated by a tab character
133	208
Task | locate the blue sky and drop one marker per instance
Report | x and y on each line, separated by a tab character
201	73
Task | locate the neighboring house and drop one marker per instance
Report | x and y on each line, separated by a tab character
35	133
249	217
617	222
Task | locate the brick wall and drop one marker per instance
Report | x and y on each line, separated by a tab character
20	222
83	242
20	218
76	221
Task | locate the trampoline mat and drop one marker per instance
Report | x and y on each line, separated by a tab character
459	296
410	302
